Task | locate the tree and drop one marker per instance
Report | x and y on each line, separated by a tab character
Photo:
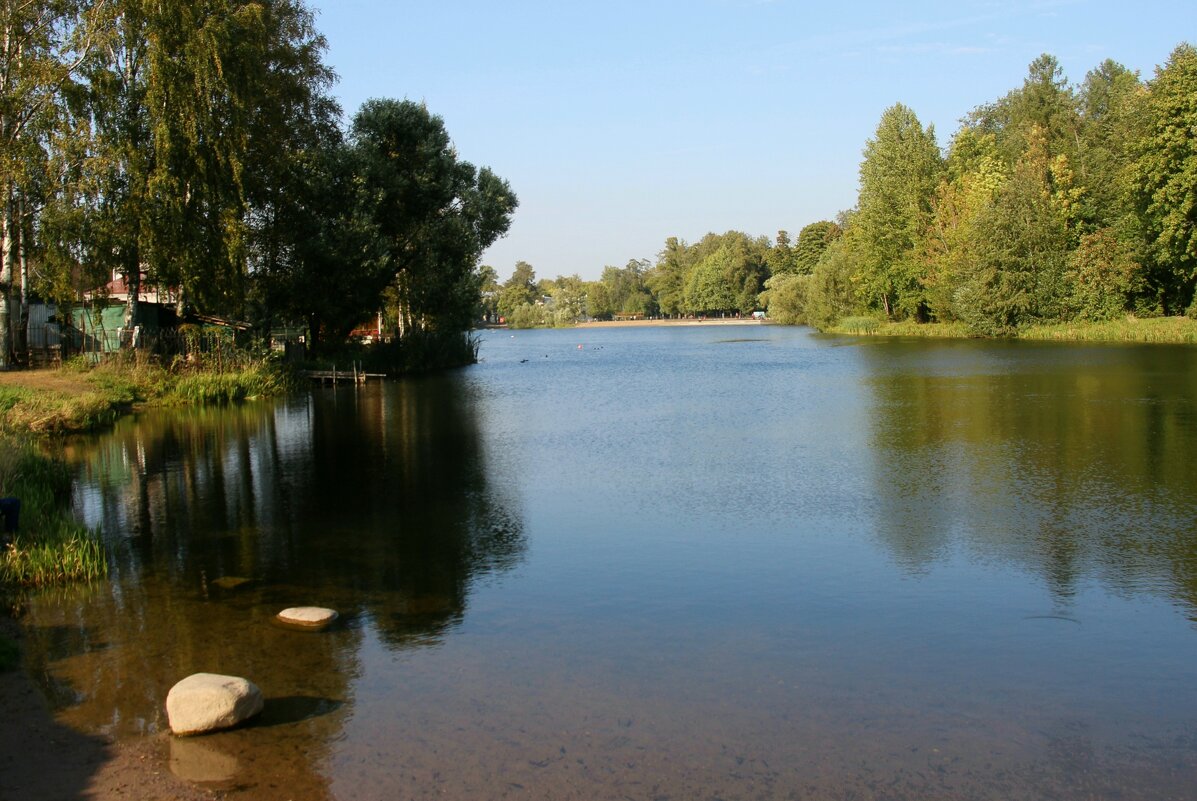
897	182
781	255
598	301
436	214
1021	253
973	175
1102	277
1108	100
667	279
1164	176
785	298
813	241
709	287
517	290
831	292
43	43
569	299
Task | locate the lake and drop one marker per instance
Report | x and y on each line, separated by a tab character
664	563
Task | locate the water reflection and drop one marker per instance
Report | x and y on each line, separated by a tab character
374	502
1073	462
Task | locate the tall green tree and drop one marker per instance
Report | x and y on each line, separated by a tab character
436	213
813	241
1021	255
898	177
517	290
43	43
667	279
1164	176
1108	101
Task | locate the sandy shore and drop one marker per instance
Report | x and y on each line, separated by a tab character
43	760
669	323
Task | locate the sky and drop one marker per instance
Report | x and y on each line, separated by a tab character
619	124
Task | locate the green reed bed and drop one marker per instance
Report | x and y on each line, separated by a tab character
870	326
50	547
1179	330
255	381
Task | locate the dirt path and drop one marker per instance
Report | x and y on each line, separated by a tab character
43	760
64	381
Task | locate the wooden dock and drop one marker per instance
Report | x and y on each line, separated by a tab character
355	375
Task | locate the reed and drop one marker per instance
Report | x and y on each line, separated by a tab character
858	325
51	546
1177	330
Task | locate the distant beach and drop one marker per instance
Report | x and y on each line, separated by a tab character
687	321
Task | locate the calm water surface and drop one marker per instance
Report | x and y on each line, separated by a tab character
700	563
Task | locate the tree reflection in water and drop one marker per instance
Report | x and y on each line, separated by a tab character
1073	463
373	501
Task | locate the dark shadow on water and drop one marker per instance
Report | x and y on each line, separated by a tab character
293	709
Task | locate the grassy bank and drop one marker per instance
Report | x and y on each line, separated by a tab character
50	546
81	397
1178	330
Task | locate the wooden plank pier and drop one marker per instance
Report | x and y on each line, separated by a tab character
334	376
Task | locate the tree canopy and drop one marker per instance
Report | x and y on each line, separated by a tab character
193	144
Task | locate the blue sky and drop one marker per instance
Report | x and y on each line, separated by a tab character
619	123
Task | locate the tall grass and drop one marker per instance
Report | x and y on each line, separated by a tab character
51	547
255	381
1179	330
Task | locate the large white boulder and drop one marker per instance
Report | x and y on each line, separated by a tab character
308	617
207	702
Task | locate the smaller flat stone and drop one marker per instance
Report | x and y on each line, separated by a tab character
309	617
231	582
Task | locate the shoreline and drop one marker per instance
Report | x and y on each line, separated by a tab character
672	323
44	759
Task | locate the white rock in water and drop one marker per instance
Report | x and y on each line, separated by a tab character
207	702
314	617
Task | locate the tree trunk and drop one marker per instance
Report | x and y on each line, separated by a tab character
6	264
133	287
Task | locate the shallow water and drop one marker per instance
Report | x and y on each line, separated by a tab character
669	563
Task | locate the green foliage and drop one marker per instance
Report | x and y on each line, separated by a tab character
859	325
529	315
519	290
420	352
434	213
897	182
1164	175
709	288
1021	253
813	241
51	547
832	293
1102	277
785	298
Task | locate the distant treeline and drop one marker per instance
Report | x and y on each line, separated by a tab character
194	145
1055	203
